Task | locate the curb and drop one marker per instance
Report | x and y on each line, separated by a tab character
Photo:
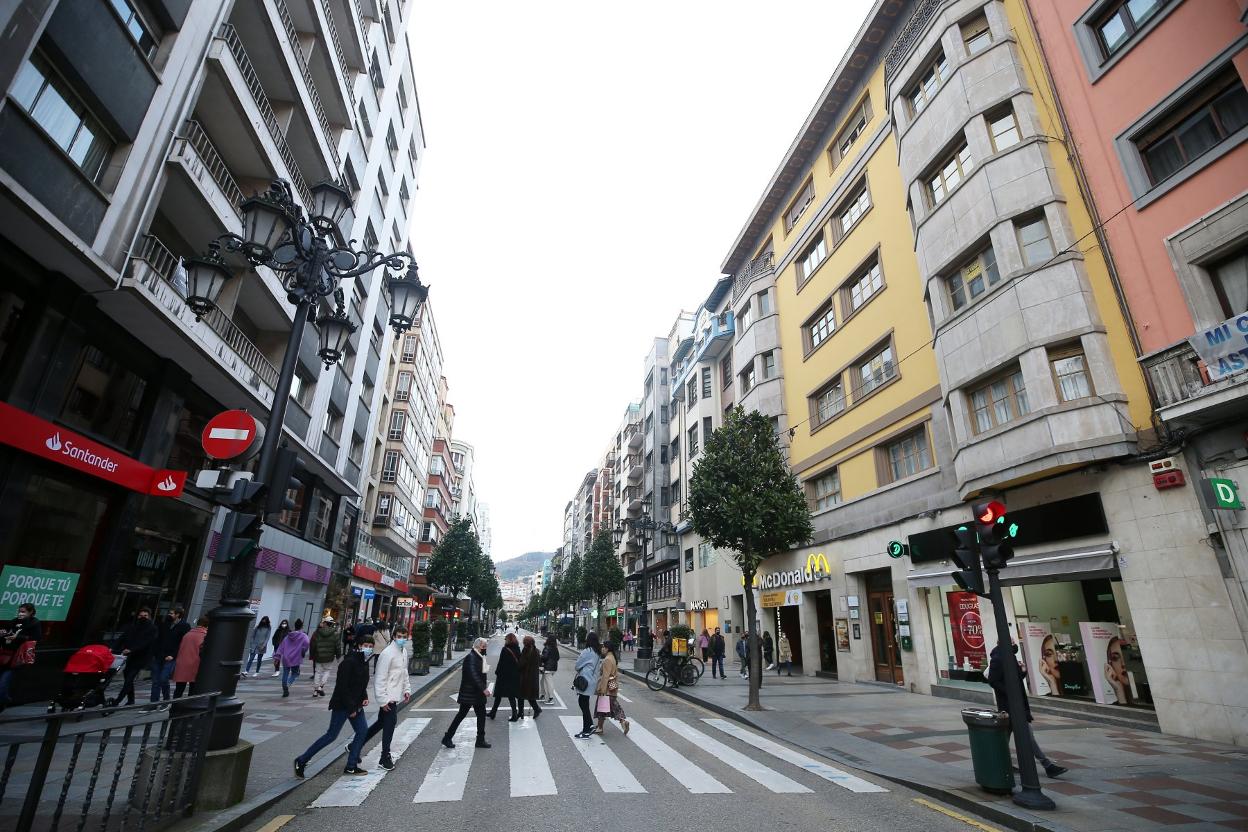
1020	821
238	816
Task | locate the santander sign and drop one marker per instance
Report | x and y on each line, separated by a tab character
41	438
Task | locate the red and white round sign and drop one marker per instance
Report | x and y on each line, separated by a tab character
231	434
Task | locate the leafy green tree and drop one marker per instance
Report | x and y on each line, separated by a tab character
456	561
482	584
573	591
601	574
743	497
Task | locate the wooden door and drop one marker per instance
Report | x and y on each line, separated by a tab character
884	644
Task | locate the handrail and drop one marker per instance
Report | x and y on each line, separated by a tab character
163	262
293	34
342	61
229	35
194	136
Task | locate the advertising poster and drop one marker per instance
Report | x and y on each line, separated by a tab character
842	635
1041	679
1107	667
51	592
968	629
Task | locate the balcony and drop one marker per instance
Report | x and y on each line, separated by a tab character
762	266
194	152
1185	392
304	72
632	464
633	436
632	499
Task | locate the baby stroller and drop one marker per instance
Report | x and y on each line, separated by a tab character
86	676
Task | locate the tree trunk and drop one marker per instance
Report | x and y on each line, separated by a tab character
598	623
755	653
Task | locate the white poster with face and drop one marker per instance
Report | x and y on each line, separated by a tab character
1036	635
1107	668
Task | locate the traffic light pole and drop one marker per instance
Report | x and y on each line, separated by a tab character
1029	796
221	658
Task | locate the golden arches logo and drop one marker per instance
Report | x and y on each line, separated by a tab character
817	564
753	584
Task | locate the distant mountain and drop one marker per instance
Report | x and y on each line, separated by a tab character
525	564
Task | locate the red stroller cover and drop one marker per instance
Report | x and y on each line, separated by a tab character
93	658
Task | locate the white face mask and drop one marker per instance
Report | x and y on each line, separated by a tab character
367	651
402	642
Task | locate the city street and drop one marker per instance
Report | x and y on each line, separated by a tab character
679	766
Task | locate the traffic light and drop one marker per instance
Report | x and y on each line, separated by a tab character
996	534
288	469
240	535
970	577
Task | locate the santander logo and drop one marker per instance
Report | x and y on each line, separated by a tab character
167	484
90	457
53	442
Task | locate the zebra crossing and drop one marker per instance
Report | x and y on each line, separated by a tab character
446	778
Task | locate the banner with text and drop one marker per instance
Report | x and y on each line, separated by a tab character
51	592
1223	348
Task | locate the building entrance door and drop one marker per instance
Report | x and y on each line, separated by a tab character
884	638
789	623
827	631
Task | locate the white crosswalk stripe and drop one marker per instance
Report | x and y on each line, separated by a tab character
775	749
613	776
689	775
350	790
772	779
530	770
449	771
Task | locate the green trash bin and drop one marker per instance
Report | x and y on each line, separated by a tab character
989	732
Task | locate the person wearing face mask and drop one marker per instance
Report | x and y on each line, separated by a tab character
168	641
279	635
346	704
24	629
473	690
390	688
136	643
292	651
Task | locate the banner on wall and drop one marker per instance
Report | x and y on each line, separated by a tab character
968	629
1107	669
1036	638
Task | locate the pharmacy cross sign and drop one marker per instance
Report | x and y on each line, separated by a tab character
231	434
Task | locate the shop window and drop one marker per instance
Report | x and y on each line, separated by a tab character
1001	400
1070	372
826	490
975	34
973	278
903	457
1034	240
105	399
1230	282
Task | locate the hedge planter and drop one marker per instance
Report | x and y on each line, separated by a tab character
418	666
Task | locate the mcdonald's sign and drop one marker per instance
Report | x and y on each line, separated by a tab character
817	569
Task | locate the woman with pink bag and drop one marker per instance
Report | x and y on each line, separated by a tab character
607	694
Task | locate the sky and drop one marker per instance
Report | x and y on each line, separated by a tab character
588	167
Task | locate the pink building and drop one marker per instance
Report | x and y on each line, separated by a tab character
1153	98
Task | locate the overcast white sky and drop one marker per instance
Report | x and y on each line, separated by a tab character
589	165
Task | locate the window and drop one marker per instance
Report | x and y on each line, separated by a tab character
810	259
302	389
907	456
437	466
747	379
706	554
433	498
948	174
390	466
706	383
819	328
1070	371
930	79
665	493
693	441
1003	127
1213	114
105	399
799	205
706	428
134	25
663	454
999	401
383	505
374	72
356	452
365	124
769	364
428	535
48	100
854	127
1034	240
370	237
689	560
725	370
862	288
350	179
975	34
398	419
392	144
292	517
332	425
851	213
322	517
387	23
663	413
1117	24
876	370
971	281
829	402
743	318
1230	282
403	390
692	391
402	96
409	349
827	490
764	303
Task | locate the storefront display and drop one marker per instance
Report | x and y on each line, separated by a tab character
1040	659
1106	662
967	630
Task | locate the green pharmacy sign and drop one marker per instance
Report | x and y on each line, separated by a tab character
51	592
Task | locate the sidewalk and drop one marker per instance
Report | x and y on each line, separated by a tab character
1119	779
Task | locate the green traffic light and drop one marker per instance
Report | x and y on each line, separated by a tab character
1013	530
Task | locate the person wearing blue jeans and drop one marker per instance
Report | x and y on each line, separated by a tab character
168	640
346	705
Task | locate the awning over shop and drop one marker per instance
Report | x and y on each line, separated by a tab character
1046	567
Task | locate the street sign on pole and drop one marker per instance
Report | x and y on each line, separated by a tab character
231	435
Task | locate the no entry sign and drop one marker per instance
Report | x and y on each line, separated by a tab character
231	434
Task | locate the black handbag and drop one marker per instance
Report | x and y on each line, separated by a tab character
581	684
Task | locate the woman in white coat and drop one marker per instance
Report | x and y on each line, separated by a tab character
391	688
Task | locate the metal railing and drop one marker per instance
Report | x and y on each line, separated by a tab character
163	263
141	764
293	34
342	61
760	265
1178	375
193	136
229	35
908	38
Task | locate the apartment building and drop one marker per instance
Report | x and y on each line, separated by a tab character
129	133
1153	95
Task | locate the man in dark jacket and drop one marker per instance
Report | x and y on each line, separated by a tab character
168	640
996	678
326	649
346	704
136	643
472	694
718	649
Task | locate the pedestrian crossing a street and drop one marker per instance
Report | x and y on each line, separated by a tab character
663	753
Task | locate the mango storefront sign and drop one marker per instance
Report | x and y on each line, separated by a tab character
51	592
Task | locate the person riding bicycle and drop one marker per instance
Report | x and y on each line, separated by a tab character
665	654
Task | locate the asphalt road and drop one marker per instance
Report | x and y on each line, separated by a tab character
679	767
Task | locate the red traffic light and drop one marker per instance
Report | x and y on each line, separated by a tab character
989	512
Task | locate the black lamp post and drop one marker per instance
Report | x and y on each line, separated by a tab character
644	529
310	255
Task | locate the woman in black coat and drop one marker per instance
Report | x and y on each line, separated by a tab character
278	635
507	676
530	671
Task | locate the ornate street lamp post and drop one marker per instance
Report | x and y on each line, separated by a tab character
309	254
644	529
